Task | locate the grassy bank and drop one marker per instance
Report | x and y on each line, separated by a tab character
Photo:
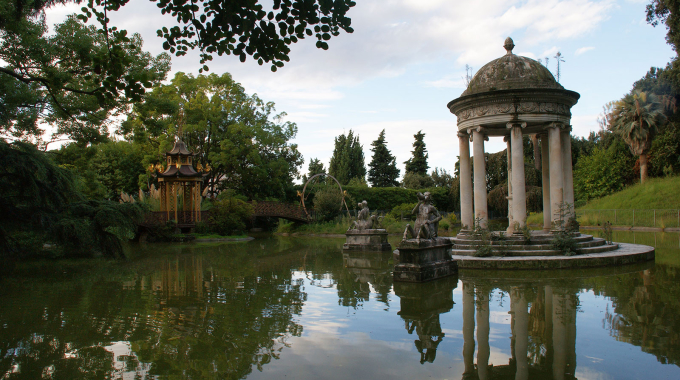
660	194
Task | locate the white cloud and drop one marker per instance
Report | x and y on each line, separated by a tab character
301	116
550	53
449	81
584	49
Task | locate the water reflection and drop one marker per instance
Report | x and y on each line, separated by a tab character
421	307
542	330
229	311
363	270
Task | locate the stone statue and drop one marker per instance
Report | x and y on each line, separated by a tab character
427	219
365	221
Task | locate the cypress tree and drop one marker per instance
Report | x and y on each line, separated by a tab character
347	161
417	164
315	167
383	170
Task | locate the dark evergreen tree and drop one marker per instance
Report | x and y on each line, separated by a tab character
383	170
315	167
417	164
347	161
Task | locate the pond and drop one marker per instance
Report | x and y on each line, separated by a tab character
297	308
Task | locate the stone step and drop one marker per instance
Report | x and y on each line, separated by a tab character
529	247
545	239
543	252
599	249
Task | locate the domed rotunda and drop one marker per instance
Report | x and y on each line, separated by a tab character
513	96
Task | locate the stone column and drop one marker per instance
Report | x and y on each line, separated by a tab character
545	179
466	217
568	181
521	332
556	176
484	351
519	197
468	327
481	210
511	227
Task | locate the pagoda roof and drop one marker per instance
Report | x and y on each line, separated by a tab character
179	149
184	171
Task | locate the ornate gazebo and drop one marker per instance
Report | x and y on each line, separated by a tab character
180	177
513	96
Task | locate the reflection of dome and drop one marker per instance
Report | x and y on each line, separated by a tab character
511	72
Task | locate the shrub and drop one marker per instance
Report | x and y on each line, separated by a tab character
386	198
284	226
404	209
603	172
228	214
327	203
417	181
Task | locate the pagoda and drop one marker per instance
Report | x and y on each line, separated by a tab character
180	179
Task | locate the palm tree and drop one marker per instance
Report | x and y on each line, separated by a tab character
637	118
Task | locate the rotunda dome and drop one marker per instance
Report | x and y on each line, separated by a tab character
511	72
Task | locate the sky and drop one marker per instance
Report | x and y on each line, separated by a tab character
406	60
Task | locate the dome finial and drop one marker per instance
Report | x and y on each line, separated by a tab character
509	45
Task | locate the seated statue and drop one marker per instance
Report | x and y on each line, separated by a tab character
365	220
427	219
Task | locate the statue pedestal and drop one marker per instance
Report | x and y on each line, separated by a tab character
424	260
367	240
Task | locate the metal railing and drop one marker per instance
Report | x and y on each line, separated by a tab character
663	218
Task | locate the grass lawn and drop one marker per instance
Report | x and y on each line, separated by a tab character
655	194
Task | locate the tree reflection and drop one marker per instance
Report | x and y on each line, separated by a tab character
362	270
645	309
185	315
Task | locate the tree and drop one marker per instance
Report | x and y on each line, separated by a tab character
667	12
241	27
383	170
442	178
347	161
40	203
238	135
418	162
604	171
107	169
416	181
83	74
72	79
315	167
637	118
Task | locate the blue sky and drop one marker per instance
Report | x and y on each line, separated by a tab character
406	59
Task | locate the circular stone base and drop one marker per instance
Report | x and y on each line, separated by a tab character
625	254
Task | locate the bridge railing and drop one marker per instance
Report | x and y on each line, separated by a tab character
183	217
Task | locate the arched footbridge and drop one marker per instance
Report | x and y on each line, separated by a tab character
272	209
289	211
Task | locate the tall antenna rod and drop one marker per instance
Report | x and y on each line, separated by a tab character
559	59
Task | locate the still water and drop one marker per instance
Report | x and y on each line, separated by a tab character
297	308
